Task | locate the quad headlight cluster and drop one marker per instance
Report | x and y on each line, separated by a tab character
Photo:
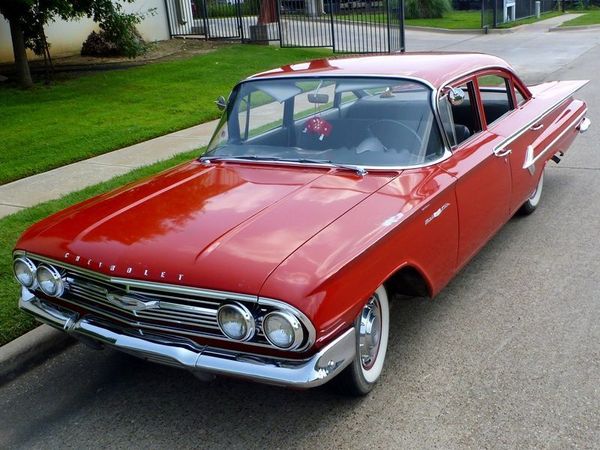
45	277
281	329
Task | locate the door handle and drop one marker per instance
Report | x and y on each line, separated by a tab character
537	127
501	152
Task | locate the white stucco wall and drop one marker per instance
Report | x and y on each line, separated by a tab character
66	37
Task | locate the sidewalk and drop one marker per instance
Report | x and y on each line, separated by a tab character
45	186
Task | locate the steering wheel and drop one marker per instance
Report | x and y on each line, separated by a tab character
393	135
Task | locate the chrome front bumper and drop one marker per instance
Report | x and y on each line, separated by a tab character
302	374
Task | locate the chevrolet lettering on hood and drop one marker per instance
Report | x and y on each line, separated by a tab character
90	263
327	190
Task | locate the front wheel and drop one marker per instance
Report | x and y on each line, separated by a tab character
372	331
534	200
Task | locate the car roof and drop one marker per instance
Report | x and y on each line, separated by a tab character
435	68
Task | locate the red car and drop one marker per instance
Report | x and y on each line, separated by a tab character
328	188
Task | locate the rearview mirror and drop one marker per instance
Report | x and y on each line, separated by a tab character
221	103
318	98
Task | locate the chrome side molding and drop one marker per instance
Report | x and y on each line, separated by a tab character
531	158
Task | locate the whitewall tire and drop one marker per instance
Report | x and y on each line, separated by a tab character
534	199
372	333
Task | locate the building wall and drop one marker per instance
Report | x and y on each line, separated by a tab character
65	38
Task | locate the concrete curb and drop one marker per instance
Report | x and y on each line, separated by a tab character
29	350
576	28
505	30
445	30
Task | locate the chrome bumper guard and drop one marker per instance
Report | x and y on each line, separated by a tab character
301	374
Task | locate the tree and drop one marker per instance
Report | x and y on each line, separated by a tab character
426	9
268	12
28	17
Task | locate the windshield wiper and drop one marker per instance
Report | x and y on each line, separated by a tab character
358	169
236	158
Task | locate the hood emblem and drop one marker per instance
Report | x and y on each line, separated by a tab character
130	303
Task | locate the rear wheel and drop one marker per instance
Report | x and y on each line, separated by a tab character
534	200
372	331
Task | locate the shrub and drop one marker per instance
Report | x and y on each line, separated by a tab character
426	9
120	30
117	37
96	44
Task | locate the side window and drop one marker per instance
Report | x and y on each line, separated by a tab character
460	121
495	97
519	96
347	98
256	113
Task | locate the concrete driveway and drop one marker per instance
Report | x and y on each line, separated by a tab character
508	356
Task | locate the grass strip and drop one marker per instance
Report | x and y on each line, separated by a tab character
13	322
590	17
75	119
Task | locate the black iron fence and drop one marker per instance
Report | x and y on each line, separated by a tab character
352	26
496	12
221	19
366	26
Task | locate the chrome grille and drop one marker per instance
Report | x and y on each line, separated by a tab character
150	308
182	311
174	310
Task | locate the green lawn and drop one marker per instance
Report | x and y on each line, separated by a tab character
590	17
47	127
13	322
452	21
544	16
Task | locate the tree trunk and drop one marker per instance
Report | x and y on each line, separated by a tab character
21	63
268	12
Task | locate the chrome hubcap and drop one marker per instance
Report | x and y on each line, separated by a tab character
370	333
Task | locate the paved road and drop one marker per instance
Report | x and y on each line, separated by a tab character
506	357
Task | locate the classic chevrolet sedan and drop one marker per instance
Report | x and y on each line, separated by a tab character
328	189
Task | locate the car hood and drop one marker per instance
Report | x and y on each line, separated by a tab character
225	226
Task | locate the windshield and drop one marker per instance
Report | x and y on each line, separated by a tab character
355	121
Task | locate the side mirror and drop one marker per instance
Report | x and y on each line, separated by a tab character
221	103
456	96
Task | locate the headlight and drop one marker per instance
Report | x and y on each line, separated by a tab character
283	330
24	270
50	281
236	322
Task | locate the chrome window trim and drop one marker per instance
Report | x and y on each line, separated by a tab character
473	72
447	83
432	100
